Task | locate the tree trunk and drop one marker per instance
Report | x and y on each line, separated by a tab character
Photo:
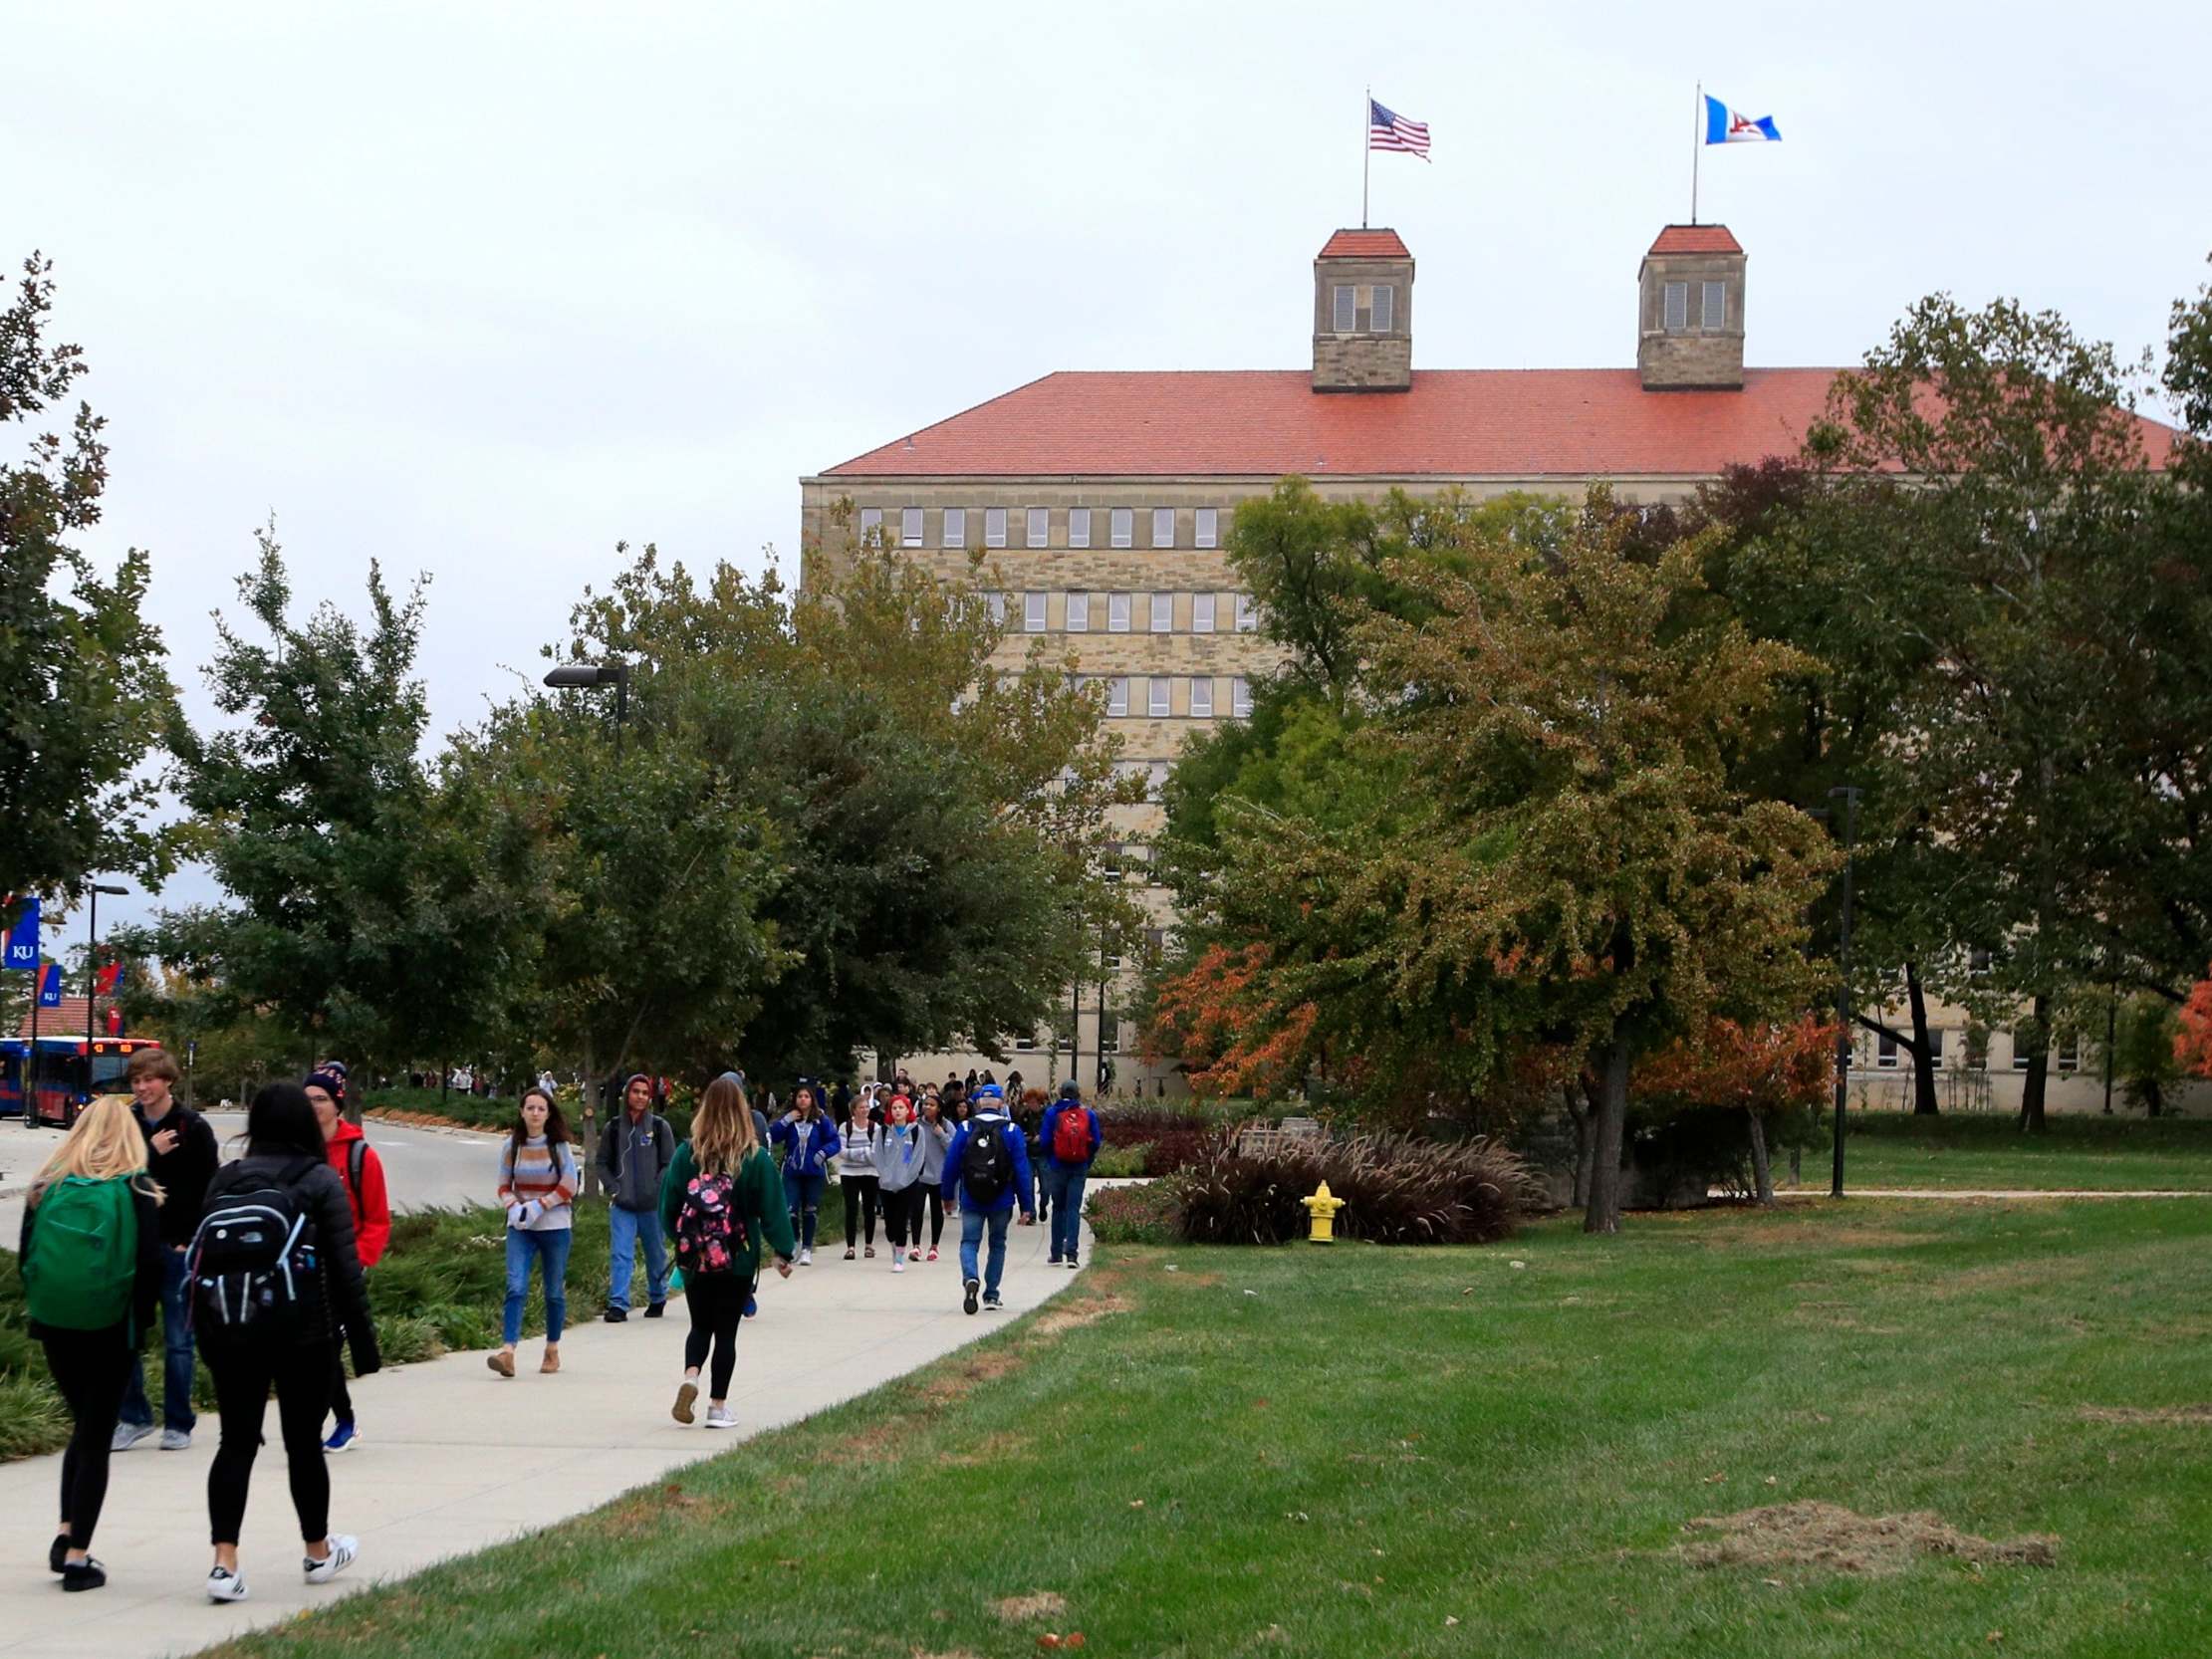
1923	1068
587	1131
1762	1172
1602	1212
1579	1192
2039	1069
2155	1098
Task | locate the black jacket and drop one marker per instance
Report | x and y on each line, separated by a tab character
146	1286
183	1172
320	1194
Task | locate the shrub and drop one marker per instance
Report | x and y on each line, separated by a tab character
1134	1125
1175	1151
1119	1162
33	1419
1143	1214
1396	1191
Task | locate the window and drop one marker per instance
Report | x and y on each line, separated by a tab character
1977	1049
1248	617
2020	1054
1886	1049
1156	696
1026	1045
996	602
2070	1053
1715	314
1201	614
1155	941
1163	527
1117	613
1935	1049
1201	698
1039	526
956	527
1379	323
1117	696
1204	524
1677	307
1109	868
1123	526
1163	613
1240	697
1033	613
1111	961
1079	527
872	526
994	527
1109	1037
1155	778
1977	960
910	527
1348	309
1079	612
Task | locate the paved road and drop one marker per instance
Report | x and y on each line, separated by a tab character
424	1168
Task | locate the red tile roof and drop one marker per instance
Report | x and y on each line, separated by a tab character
65	1021
1696	239
1364	244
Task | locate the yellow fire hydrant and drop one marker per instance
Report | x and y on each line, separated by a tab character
1323	1209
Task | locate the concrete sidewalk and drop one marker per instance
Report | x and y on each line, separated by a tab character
453	1458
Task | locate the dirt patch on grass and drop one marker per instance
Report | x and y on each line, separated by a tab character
1831	1538
2195	1415
992	1448
869	1445
2007	1276
641	1514
979	1368
1038	1604
1071	1315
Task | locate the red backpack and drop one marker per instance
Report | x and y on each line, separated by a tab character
1072	1135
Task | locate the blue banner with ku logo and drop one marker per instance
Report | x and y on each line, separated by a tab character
23	938
50	986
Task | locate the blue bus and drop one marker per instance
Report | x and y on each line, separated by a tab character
68	1073
13	1051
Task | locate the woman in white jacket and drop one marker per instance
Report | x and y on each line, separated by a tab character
856	1177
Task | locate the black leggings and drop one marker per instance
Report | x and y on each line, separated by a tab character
903	1216
341	1397
244	1372
860	1195
89	1369
716	1300
936	1216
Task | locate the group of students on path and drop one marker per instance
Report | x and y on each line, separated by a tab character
258	1264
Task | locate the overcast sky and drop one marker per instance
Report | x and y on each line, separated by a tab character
480	289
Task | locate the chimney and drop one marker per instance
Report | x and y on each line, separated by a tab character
1690	311
1364	313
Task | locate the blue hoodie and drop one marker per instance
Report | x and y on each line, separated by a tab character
808	1147
993	1121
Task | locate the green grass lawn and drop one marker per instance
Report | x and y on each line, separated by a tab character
2085	1153
1435	1452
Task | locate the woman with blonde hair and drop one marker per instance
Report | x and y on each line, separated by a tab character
92	1260
721	1197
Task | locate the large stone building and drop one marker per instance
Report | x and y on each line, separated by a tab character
1101	500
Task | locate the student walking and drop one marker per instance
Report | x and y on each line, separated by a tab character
362	1173
277	1284
986	1171
94	1269
537	1179
810	1143
901	1160
635	1155
1071	1140
719	1202
937	1131
182	1160
857	1176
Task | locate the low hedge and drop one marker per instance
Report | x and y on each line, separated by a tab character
1141	1213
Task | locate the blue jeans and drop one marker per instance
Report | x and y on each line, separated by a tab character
625	1228
972	1222
1063	1185
177	1357
803	1198
551	1248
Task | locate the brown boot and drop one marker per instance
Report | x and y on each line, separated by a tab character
503	1362
552	1360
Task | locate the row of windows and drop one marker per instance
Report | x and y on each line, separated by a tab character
1889	1055
1079	524
1712	306
1084	612
1154	695
1110	1039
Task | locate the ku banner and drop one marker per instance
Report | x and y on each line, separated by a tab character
50	986
23	938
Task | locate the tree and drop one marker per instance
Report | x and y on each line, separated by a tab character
2192	1037
1764	1069
83	693
2150	1052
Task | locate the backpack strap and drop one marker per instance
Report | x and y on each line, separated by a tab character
357	1158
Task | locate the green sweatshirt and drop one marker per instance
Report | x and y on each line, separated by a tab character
760	1204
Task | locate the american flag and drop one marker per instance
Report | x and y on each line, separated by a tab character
1388	129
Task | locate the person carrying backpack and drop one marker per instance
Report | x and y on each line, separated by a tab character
635	1151
362	1173
856	1174
92	1269
936	1130
720	1200
538	1178
182	1160
810	1141
1071	1137
902	1157
986	1169
276	1285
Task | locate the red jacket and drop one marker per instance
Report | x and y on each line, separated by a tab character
372	1209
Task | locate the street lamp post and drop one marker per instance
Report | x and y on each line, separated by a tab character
583	676
93	891
1850	797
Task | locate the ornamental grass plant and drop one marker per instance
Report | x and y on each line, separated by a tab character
1395	1191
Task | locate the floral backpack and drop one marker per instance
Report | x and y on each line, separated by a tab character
710	1233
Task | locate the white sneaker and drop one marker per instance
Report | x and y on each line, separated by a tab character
898	1260
343	1550
225	1586
720	1417
128	1435
805	1258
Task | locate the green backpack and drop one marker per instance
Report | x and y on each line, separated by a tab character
84	1258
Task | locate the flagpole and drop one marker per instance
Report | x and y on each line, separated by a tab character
1367	150
1697	145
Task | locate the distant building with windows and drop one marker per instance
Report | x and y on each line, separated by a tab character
1102	499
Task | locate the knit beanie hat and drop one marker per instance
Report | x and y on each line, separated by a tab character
330	1082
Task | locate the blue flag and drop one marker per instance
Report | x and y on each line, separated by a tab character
1724	127
50	985
23	938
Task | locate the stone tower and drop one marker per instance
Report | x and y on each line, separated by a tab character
1690	311
1364	313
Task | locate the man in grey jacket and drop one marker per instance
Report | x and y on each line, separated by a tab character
635	1153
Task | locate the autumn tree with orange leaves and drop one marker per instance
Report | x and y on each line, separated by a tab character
1764	1069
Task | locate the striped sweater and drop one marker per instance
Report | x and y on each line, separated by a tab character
541	1172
